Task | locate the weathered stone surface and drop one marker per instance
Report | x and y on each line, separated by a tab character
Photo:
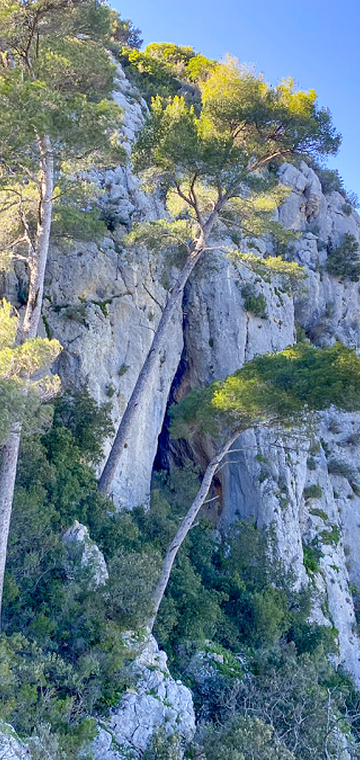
104	304
11	747
155	700
91	556
266	474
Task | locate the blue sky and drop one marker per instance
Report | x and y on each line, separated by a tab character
315	41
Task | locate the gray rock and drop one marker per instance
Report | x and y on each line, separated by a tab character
11	747
156	700
91	556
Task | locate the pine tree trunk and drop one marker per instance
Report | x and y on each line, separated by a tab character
186	525
9	457
160	339
29	328
41	249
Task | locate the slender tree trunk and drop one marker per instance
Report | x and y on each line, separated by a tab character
160	339
41	248
187	523
9	457
29	328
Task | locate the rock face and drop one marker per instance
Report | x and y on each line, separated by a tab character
11	747
155	701
91	556
270	477
104	303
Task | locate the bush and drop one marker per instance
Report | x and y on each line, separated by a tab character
313	492
344	261
242	738
339	467
311	556
254	303
68	664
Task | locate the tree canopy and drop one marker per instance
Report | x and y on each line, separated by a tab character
55	81
275	387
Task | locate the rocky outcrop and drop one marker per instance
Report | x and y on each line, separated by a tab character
11	747
154	701
104	304
90	555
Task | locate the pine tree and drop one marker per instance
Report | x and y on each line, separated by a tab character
281	389
214	168
56	119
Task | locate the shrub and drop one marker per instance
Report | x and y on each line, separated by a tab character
244	738
339	467
331	536
311	556
344	261
254	303
313	492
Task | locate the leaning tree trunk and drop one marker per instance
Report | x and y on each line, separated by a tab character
38	254
186	525
160	338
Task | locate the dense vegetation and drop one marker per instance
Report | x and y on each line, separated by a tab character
270	691
225	597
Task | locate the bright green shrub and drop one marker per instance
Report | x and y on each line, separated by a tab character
311	556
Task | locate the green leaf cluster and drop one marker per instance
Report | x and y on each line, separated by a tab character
56	80
164	69
344	261
273	388
22	381
68	663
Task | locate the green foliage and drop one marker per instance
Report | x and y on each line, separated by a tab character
313	492
214	155
277	388
311	556
332	181
255	303
163	68
69	665
331	536
233	592
20	393
123	33
163	747
58	90
319	513
288	272
150	75
344	261
242	738
339	467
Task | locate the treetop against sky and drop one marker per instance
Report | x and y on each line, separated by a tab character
316	43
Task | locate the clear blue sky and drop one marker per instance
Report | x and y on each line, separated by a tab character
315	41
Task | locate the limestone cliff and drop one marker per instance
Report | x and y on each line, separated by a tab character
103	304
